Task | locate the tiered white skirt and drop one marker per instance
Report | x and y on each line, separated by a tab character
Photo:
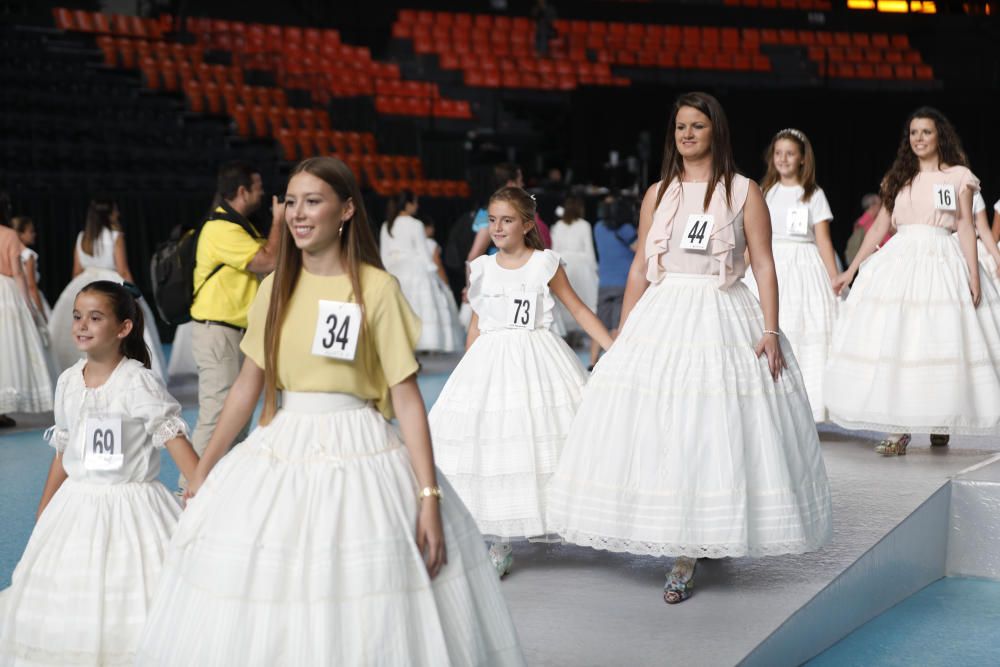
181	353
82	589
431	301
61	323
299	549
684	445
499	426
807	310
910	352
26	384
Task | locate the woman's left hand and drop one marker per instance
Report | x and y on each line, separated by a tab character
769	345
430	535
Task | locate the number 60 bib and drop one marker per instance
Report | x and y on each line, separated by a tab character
337	329
102	443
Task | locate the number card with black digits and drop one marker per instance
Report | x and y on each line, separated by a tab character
337	328
102	443
697	232
797	221
944	197
521	309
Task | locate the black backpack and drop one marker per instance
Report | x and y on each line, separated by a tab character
459	242
172	268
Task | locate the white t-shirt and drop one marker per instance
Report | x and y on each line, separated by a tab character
781	199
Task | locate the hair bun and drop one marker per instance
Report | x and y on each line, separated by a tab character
132	289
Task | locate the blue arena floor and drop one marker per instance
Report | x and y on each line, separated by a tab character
951	623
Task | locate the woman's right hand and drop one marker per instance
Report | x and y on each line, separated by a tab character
194	484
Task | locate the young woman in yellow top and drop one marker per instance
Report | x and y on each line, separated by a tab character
322	539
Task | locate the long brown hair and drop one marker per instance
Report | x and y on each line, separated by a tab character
396	207
906	166
807	170
98	219
723	163
124	304
525	207
572	209
357	247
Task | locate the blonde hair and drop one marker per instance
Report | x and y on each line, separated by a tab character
524	205
807	170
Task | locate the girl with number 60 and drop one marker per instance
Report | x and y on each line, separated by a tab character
80	593
501	420
917	346
695	437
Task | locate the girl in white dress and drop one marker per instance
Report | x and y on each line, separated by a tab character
804	258
25	379
912	352
323	539
80	593
501	420
403	246
694	437
441	284
573	241
25	228
99	255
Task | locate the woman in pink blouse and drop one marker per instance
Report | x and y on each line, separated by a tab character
918	342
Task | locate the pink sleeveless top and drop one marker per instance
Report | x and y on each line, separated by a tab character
724	254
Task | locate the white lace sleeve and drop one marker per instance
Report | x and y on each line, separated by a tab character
169	429
57	438
159	411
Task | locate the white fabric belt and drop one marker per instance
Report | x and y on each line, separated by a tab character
317	401
795	239
926	230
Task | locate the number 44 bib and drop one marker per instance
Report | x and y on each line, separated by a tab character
102	443
337	327
697	232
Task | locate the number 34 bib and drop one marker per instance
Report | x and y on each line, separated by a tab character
337	327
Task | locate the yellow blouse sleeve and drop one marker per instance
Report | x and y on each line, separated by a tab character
395	331
253	340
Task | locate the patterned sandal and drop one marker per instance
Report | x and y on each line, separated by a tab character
680	581
890	447
939	440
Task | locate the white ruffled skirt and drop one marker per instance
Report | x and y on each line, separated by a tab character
684	445
61	323
300	549
26	382
807	310
910	352
582	275
81	591
181	353
499	426
431	301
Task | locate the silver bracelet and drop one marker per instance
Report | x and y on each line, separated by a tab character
774	333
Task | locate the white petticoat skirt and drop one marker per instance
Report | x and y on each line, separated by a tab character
26	382
684	445
61	323
499	426
910	352
81	591
807	310
299	549
431	301
181	353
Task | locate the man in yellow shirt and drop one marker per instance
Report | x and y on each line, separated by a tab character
230	257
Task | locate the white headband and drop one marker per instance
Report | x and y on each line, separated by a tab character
795	133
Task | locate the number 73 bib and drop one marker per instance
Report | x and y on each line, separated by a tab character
697	232
337	327
521	307
102	443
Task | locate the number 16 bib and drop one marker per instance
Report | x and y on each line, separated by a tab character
337	327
